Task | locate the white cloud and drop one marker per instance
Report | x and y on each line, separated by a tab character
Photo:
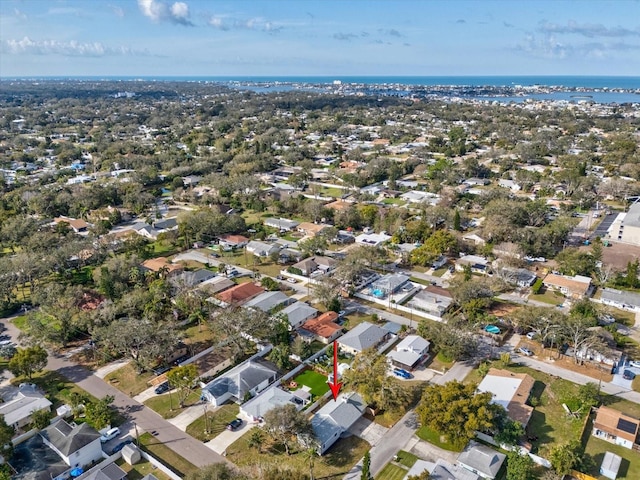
73	48
159	11
589	30
259	24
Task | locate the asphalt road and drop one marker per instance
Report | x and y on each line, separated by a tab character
146	419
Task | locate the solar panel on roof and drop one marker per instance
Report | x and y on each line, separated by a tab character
627	426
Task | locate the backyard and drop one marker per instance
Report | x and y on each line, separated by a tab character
334	464
398	468
629	468
140	470
316	382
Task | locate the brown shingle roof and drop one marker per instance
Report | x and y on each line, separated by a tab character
608	420
157	264
240	293
323	325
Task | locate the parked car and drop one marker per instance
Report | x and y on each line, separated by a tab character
120	446
292	280
110	435
163	387
234	425
628	375
279	277
634	363
531	335
525	351
399	372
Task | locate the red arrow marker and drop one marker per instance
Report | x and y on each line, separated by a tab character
335	386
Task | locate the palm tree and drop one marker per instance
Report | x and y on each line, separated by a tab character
310	454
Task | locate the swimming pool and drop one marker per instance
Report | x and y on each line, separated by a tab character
492	329
376	292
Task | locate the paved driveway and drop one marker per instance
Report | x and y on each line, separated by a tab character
368	430
227	437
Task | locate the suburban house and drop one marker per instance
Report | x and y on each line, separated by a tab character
261	249
389	284
511	390
297	313
441	470
108	472
577	286
145	230
474	238
620	299
77	225
77	445
335	418
162	265
323	328
475	181
519	276
339	205
364	335
616	427
481	460
316	264
626	226
240	294
416	196
18	408
233	241
412	350
373	239
281	224
256	408
166	224
312	229
246	380
510	184
439	262
268	301
477	264
195	278
217	284
432	300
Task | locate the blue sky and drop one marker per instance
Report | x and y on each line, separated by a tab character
327	37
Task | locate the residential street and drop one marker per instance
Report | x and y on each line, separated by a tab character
146	419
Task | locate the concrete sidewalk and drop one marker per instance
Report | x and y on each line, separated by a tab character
227	437
189	415
111	367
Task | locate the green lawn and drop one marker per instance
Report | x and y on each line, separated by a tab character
140	469
548	296
21	322
166	405
393	201
215	423
333	465
163	248
630	466
440	271
57	387
392	472
435	438
315	381
167	456
128	380
405	458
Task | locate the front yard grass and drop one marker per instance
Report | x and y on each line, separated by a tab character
334	464
57	387
314	380
168	457
166	405
216	422
128	380
431	436
548	296
391	472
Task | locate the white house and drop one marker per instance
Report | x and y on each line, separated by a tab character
510	184
432	300
261	249
267	301
373	239
364	335
621	299
412	350
297	313
476	263
77	445
256	408
282	224
18	408
481	460
247	379
335	418
615	427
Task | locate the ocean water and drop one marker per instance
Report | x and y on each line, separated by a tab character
590	82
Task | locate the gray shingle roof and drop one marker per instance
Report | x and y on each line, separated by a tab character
68	439
481	458
363	336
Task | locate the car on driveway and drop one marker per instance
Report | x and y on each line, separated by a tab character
162	388
399	372
292	280
234	424
525	351
531	335
634	363
110	435
628	375
120	446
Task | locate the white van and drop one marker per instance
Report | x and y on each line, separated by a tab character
110	435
